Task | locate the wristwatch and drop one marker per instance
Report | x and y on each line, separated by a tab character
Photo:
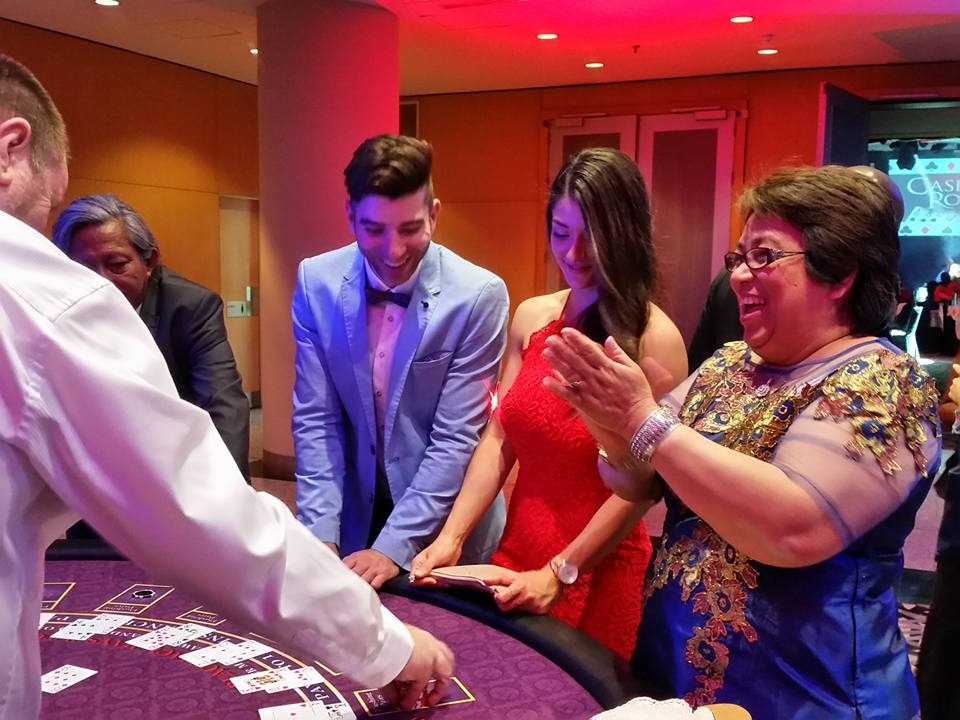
566	572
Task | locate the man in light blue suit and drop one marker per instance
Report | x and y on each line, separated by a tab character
398	343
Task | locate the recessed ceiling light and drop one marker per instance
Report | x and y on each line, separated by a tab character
108	3
741	19
767	51
593	65
547	36
254	51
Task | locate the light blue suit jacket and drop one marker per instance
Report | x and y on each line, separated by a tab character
445	364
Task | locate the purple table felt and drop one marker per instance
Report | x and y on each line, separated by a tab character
498	676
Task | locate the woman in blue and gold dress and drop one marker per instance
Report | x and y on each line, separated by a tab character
792	465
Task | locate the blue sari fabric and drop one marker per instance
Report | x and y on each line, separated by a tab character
813	643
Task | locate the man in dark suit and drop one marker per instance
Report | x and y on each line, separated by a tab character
105	234
719	321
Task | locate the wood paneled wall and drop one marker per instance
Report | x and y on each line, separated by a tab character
490	148
167	139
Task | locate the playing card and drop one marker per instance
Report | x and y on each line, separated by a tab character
300	711
274	681
44	619
173	636
203	656
254	682
108	622
230	653
85	628
340	711
474	577
294	678
77	630
225	653
63	677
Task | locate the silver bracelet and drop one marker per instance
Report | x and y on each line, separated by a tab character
651	433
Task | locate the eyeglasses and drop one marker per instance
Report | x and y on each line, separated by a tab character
756	258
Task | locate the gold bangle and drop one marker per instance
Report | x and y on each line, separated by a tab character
629	462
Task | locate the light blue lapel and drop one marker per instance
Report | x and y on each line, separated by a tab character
353	300
423	302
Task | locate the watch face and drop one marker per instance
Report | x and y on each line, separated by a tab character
567	573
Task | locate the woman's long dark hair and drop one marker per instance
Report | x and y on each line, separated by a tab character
609	190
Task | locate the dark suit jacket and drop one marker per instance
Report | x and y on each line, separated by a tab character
719	321
186	320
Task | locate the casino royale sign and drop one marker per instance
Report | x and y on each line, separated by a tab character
943	191
931	197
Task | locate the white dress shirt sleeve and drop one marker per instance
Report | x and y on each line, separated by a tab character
103	425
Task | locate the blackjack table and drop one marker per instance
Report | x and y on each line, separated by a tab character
516	667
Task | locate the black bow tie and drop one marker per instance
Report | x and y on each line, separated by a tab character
378	297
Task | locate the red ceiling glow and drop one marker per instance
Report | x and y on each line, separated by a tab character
474	45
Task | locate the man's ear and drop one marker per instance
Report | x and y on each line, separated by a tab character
434	213
153	260
348	206
14	145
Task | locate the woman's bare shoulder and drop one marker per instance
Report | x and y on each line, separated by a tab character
533	313
663	342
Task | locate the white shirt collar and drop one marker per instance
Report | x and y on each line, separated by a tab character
405	287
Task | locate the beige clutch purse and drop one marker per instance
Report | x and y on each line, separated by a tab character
473	577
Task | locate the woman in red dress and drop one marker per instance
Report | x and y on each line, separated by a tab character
578	551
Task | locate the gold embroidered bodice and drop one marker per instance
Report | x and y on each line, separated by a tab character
883	396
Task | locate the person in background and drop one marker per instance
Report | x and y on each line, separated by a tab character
578	551
719	321
398	341
793	465
945	289
936	673
94	426
108	236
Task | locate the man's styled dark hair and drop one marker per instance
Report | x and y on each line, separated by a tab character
22	95
389	165
849	224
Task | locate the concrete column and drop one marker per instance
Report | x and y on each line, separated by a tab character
328	78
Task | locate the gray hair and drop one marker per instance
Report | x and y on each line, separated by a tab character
99	210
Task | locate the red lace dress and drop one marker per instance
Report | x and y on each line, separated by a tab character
557	492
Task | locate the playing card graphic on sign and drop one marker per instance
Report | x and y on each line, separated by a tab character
931	196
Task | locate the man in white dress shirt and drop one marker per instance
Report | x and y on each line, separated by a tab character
73	405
